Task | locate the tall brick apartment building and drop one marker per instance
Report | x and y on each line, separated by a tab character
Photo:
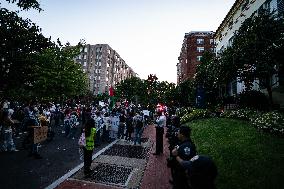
104	67
194	44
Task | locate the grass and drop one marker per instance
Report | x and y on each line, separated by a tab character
246	158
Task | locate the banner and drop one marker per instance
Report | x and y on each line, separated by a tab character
114	126
40	134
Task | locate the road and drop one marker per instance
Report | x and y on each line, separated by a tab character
22	172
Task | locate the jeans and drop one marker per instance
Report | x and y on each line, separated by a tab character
8	143
138	135
121	127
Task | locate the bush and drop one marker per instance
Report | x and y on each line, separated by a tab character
243	114
270	121
267	121
253	99
196	114
183	111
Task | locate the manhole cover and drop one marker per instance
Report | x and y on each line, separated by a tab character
129	151
111	174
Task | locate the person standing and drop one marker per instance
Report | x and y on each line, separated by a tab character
161	123
201	172
90	133
6	123
138	128
182	152
129	126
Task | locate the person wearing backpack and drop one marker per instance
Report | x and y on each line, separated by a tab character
138	128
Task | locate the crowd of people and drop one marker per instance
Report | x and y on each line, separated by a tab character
97	124
17	118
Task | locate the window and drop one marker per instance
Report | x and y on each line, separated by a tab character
280	6
85	64
213	50
199	58
230	42
85	56
245	4
86	49
212	41
109	51
200	49
200	41
230	24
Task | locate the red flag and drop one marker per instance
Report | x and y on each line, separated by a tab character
111	91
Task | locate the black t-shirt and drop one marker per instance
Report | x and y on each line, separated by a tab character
122	118
186	150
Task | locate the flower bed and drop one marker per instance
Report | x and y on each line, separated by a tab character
266	121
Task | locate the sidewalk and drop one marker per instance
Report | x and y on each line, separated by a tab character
122	165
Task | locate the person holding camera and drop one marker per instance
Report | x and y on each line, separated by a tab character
185	151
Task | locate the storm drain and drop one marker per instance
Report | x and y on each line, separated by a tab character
129	151
111	174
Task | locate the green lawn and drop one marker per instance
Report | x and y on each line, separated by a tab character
245	157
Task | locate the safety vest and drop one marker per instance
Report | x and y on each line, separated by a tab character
90	140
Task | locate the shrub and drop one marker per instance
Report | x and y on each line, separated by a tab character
243	114
270	121
184	110
267	121
253	99
196	114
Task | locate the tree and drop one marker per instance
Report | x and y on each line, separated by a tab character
186	92
26	4
131	89
57	74
20	39
256	47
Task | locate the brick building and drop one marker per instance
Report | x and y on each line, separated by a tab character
104	67
194	45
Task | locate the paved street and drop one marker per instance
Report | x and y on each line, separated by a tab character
22	172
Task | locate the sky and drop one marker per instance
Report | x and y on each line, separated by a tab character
147	34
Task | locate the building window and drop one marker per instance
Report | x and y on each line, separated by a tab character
230	42
85	64
200	49
280	6
109	51
230	24
86	49
213	50
199	58
245	4
200	41
212	41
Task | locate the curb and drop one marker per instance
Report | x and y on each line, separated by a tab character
77	168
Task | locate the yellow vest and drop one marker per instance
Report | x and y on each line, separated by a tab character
90	140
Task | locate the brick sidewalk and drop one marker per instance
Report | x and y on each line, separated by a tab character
156	174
